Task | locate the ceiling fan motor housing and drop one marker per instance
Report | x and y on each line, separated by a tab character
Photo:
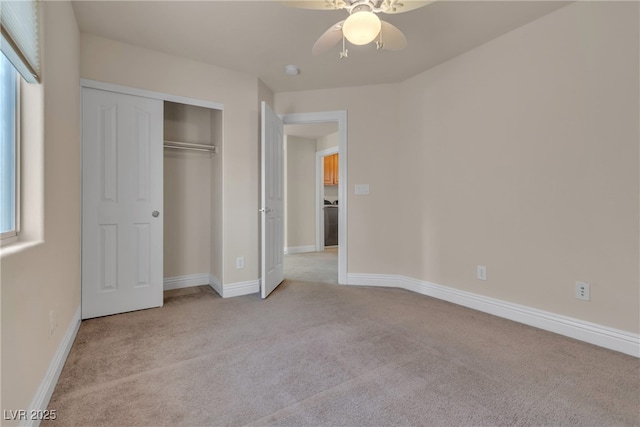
363	25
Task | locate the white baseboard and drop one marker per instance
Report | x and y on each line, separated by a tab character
603	336
299	249
48	383
216	284
231	290
240	288
186	281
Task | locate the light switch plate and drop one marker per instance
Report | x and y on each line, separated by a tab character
362	189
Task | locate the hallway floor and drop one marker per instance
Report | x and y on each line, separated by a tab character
318	267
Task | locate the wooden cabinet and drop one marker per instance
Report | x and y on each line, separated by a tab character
331	170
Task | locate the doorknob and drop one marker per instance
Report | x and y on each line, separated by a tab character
155	214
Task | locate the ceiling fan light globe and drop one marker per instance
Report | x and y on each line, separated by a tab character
362	27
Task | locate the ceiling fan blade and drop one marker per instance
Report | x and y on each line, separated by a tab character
315	4
329	39
392	38
399	6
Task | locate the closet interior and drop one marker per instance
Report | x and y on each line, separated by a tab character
192	193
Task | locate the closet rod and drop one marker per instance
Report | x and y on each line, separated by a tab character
190	146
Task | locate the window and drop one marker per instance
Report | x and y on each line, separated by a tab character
8	149
20	47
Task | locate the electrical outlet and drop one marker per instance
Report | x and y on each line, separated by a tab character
240	262
583	291
482	272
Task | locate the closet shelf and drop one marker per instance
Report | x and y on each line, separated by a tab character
177	145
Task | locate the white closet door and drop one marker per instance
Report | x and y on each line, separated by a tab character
122	188
272	156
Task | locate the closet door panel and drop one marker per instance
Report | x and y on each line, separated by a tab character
121	200
143	142
109	159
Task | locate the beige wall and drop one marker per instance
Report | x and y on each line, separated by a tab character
46	276
187	123
264	93
521	155
374	123
300	190
526	152
187	192
114	62
187	213
328	141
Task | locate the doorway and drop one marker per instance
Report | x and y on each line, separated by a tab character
316	136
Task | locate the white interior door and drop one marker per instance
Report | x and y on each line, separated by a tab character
122	188
272	157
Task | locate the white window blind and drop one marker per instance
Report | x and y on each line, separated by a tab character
20	39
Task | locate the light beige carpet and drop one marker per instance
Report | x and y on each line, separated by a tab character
320	354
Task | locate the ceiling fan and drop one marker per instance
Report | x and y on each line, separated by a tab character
363	25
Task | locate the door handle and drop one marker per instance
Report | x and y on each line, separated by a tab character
155	214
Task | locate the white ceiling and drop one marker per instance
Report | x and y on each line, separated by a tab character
261	37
